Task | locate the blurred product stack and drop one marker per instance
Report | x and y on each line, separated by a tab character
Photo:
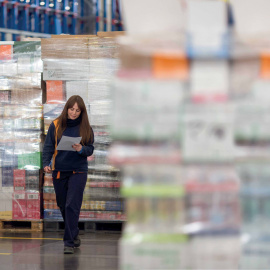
173	127
20	130
211	182
148	95
84	66
250	84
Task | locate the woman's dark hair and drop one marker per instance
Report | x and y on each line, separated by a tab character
86	131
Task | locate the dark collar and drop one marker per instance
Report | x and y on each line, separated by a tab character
73	123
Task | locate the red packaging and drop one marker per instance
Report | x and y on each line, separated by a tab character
19	180
33	205
19	205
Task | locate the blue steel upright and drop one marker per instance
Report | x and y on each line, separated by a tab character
3	18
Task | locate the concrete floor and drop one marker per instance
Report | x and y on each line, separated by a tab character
35	251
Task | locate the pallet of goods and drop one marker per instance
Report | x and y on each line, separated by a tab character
20	131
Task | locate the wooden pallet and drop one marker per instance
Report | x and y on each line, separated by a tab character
21	225
84	226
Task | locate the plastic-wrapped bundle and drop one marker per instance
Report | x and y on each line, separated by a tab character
21	81
66	69
100	112
79	48
103	67
103	48
79	69
28	56
50	112
77	88
61	48
20	57
99	89
21	127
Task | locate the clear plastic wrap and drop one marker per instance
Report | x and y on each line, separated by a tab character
20	129
79	48
84	66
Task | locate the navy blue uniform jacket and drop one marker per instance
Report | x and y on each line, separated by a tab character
66	160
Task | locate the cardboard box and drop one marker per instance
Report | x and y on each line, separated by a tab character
32	180
19	180
7	177
67	48
6	51
33	205
111	34
55	92
32	160
19	205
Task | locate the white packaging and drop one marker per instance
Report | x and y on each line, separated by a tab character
208	133
8	69
209	80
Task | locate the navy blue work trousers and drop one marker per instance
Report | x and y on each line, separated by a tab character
69	196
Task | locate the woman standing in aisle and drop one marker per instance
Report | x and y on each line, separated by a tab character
69	168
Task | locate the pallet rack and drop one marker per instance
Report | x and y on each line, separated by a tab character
108	15
43	18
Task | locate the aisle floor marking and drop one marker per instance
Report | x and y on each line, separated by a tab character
20	238
5	253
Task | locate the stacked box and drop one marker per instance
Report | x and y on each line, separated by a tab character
86	73
19	180
33	205
20	123
19	205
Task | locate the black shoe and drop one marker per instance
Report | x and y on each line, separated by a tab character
68	250
77	241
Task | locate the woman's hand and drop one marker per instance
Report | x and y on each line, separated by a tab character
47	169
77	147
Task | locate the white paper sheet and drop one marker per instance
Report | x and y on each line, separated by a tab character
67	142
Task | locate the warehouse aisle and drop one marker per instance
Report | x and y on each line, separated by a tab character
34	251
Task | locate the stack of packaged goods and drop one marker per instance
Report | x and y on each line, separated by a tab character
148	95
211	181
20	130
251	82
84	66
181	213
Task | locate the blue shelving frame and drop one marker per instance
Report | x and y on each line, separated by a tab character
39	16
42	18
116	18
